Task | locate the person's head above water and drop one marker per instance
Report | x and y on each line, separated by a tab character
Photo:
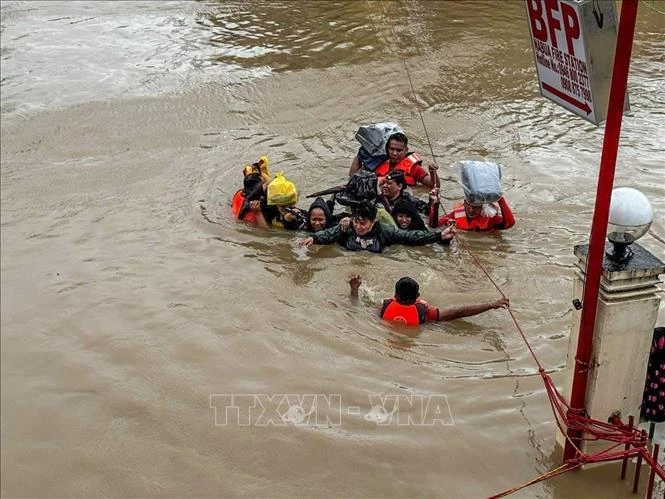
406	215
407	291
364	217
394	184
252	186
472	210
397	147
318	215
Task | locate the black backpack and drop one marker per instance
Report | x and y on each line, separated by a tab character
361	186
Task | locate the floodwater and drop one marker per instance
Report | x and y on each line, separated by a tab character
131	300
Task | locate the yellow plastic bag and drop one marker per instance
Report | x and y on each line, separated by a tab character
282	192
261	166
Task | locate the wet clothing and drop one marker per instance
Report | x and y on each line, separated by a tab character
411	315
411	166
377	239
407	206
252	191
502	220
389	204
276	220
240	209
273	217
653	400
323	205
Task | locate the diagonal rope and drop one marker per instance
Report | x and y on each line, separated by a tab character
597	430
408	75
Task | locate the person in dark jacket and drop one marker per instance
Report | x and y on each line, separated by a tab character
393	189
406	215
319	216
365	233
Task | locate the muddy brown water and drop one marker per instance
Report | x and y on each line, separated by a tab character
131	300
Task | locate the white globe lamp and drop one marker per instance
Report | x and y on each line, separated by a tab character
630	218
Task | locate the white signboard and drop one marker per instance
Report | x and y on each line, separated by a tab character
573	46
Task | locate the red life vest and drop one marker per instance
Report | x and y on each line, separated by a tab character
411	315
464	223
236	202
405	166
236	205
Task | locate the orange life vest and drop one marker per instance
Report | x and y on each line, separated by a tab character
411	315
404	166
236	205
236	202
464	223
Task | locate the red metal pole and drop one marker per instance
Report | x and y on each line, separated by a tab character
638	469
652	475
624	46
624	464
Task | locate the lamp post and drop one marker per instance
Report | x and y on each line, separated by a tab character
630	218
625	314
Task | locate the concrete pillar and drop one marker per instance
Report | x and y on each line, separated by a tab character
628	304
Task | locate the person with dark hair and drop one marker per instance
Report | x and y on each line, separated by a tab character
267	204
247	202
399	158
406	307
473	216
393	190
365	233
319	216
406	215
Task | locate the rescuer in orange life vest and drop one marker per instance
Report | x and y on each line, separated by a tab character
468	216
406	307
399	158
267	202
246	203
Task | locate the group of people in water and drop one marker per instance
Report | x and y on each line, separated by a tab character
383	212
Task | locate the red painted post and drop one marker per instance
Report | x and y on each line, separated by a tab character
638	469
652	475
624	46
624	464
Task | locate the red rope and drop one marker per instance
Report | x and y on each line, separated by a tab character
564	415
413	90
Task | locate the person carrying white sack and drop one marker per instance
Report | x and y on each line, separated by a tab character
484	207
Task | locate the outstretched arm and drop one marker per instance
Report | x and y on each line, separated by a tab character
449	314
327	236
417	237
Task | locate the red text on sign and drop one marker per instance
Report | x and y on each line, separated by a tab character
544	23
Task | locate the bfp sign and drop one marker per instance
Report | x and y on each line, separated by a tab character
573	46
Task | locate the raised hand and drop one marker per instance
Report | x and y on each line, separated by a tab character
434	195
